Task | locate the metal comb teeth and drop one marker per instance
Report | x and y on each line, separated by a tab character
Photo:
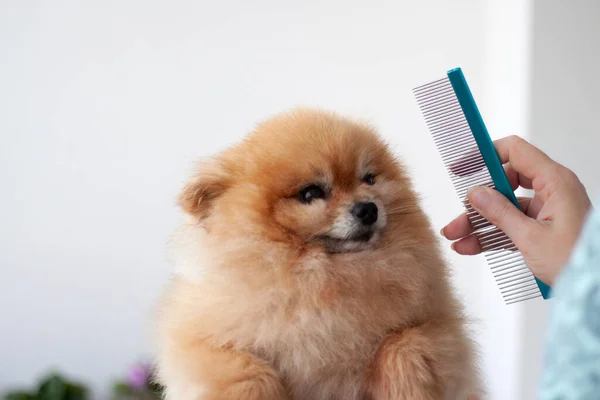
465	165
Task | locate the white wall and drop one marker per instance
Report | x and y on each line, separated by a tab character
565	119
104	104
505	109
566	85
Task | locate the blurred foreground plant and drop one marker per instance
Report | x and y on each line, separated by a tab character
52	387
138	385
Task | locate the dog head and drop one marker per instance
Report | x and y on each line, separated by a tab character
306	178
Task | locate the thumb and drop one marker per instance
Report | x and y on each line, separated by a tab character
497	209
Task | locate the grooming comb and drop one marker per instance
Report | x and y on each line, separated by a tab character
471	160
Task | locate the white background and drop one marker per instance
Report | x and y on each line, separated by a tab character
564	121
105	104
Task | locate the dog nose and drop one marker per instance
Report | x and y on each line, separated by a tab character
365	212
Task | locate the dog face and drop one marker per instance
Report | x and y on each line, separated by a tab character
306	178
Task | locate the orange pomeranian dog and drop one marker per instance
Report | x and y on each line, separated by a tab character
308	271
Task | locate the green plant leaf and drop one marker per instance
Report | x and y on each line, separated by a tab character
76	392
19	396
52	388
122	389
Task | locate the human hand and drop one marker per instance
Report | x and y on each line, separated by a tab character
548	225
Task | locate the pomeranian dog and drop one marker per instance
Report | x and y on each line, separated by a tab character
308	271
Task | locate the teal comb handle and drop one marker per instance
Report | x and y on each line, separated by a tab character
486	146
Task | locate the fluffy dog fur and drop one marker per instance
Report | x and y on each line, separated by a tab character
275	298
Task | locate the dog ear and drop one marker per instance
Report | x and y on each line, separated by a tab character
204	187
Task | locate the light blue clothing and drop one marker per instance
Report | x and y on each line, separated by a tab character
572	365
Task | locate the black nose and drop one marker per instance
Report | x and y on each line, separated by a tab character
365	212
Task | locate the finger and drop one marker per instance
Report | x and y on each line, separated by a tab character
512	175
468	246
524	204
498	210
516	179
459	227
524	158
534	207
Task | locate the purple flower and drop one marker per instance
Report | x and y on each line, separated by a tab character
138	376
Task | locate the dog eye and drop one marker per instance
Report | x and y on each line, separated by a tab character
310	193
369	179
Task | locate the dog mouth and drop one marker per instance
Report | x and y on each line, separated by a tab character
363	237
360	241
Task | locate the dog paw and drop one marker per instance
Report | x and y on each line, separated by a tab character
403	369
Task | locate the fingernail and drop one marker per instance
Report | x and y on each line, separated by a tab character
479	196
452	246
442	232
